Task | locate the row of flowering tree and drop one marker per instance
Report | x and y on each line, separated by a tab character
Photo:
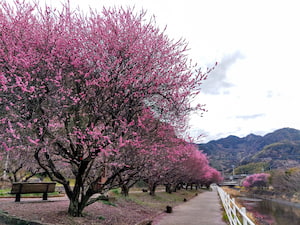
169	161
100	98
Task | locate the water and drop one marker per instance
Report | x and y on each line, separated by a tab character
273	213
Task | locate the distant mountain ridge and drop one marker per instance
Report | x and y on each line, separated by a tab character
280	148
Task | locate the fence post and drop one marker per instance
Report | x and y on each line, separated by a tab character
244	216
234	211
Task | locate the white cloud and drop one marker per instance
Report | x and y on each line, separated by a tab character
217	82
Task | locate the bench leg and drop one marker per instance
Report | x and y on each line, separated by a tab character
18	198
45	196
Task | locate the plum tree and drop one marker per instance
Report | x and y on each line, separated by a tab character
73	89
259	180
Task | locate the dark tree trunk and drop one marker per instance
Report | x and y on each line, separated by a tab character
78	198
74	208
179	186
125	190
152	188
168	188
79	201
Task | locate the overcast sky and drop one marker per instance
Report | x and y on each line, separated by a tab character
255	88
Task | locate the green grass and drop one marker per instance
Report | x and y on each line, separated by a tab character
161	199
101	218
108	203
115	191
225	217
72	182
6	193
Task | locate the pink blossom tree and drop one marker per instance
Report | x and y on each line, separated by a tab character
162	150
17	160
18	165
210	176
177	173
198	172
78	86
258	180
143	153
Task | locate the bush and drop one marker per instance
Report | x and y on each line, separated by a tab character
259	180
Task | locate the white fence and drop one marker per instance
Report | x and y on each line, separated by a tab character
236	216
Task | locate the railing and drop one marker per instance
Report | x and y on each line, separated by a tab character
236	216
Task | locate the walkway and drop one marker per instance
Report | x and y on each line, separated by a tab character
205	209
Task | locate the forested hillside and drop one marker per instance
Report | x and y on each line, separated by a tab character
254	153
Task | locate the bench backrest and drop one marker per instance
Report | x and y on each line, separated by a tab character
40	187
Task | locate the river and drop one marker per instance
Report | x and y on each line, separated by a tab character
270	212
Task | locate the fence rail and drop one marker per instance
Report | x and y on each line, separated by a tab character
236	216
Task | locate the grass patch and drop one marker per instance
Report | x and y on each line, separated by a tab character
232	192
6	193
225	217
115	191
108	203
161	199
101	218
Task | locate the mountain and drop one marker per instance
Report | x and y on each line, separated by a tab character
280	148
279	154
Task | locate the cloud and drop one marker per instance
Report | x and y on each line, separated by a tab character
217	79
248	117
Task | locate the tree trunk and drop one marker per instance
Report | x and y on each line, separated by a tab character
152	188
74	208
178	187
79	198
125	190
78	203
168	188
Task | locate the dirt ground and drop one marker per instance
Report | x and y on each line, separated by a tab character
54	211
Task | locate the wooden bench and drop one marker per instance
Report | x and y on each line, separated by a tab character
19	188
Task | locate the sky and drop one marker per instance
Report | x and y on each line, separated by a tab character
255	87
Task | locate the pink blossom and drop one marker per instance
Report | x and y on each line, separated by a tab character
35	142
6	148
256	180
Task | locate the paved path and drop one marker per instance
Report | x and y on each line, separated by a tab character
205	209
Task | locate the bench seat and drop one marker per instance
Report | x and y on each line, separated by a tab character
19	188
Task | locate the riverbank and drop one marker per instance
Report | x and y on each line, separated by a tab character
266	207
236	193
287	198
